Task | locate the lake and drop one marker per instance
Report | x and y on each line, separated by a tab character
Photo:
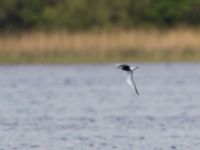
91	107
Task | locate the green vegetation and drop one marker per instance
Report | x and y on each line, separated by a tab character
76	31
89	14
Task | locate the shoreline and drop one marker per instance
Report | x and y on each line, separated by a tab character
166	56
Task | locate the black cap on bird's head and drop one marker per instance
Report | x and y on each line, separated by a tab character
124	67
127	67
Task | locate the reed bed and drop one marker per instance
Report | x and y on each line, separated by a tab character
96	43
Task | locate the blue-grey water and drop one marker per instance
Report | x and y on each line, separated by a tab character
91	107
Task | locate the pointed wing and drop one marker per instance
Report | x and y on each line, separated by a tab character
134	68
131	82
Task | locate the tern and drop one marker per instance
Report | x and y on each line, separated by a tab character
129	70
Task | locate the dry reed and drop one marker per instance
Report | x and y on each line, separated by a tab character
179	39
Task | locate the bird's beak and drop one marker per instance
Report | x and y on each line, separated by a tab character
119	67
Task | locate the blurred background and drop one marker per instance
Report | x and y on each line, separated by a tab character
80	100
78	31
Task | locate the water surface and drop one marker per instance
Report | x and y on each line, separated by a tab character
90	107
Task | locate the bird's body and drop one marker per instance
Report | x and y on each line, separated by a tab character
130	80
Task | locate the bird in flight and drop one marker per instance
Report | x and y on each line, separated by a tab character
130	80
